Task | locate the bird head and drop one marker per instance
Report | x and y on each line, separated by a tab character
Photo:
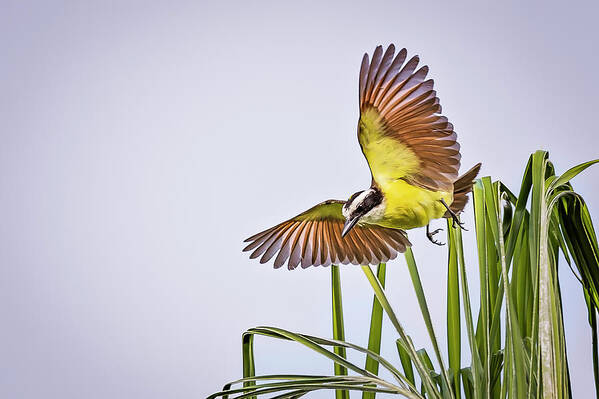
359	205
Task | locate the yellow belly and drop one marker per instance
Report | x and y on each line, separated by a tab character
408	207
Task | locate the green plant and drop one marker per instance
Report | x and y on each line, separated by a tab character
516	339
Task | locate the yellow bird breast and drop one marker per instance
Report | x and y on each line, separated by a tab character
407	207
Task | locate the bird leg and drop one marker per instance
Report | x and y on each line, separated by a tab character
454	216
430	234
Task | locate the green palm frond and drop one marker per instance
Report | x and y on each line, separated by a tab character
516	337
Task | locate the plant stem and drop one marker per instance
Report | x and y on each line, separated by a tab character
338	330
374	336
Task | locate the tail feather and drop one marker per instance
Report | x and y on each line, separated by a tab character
461	188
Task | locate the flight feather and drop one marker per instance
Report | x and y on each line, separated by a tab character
313	238
401	130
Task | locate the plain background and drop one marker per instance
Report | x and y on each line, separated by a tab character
143	141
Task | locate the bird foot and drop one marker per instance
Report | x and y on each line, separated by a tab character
456	222
430	235
454	217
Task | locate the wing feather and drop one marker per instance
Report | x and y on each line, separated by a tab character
329	242
396	85
354	246
318	256
383	246
306	255
340	255
297	246
325	249
386	64
359	242
401	130
285	248
390	76
374	244
276	244
268	241
373	71
259	238
313	238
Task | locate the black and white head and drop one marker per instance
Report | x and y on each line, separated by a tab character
366	206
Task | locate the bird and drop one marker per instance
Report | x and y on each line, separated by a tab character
414	159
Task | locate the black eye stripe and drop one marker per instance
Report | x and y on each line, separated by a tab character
353	197
373	199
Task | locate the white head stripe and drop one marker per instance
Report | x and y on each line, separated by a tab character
356	202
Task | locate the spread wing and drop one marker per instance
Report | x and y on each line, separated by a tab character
401	131
313	238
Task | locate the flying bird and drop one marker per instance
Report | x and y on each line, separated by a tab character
414	159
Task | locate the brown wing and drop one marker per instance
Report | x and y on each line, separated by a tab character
313	238
401	131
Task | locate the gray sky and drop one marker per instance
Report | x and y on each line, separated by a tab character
142	143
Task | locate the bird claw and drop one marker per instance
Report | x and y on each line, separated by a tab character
430	235
456	222
454	217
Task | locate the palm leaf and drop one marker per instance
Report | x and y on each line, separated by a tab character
376	326
516	337
338	327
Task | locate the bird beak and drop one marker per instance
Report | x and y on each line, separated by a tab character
349	224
